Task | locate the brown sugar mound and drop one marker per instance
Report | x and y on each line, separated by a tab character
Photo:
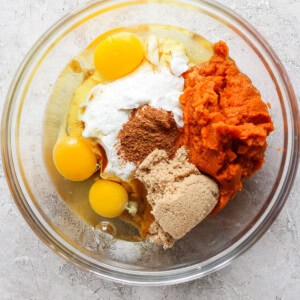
147	129
180	196
226	123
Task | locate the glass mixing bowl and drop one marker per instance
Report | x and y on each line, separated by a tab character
216	241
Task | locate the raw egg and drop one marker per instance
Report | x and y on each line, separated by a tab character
108	198
74	159
118	55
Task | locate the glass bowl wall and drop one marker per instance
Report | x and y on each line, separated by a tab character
215	242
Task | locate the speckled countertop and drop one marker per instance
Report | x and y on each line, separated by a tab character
29	270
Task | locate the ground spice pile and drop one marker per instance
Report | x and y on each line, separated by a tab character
147	129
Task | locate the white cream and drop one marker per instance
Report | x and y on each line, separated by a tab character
158	51
179	62
152	50
108	106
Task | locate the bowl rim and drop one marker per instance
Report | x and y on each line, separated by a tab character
163	277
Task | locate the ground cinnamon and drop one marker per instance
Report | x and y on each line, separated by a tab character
147	129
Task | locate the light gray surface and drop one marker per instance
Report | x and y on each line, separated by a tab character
29	270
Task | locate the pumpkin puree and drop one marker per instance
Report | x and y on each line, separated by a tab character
226	122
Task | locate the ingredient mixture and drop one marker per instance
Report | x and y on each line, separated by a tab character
160	132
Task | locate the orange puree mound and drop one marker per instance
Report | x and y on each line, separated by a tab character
226	122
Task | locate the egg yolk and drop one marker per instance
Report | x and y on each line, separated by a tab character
74	159
118	55
108	198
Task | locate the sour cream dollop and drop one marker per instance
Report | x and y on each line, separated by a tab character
109	105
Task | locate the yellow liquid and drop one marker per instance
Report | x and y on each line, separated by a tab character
62	104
